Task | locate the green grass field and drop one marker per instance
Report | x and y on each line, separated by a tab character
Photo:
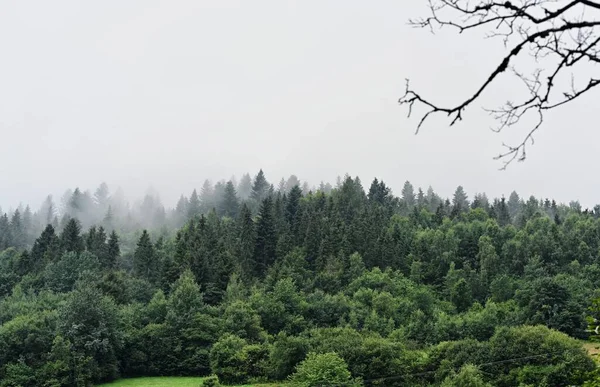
169	381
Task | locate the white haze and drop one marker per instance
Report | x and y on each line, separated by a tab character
168	93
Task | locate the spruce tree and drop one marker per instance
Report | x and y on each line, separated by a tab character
144	258
260	188
194	207
207	197
16	230
5	233
460	203
408	195
292	206
502	213
266	238
45	248
246	241
244	189
113	251
229	202
70	238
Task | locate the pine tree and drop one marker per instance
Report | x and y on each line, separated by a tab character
260	188
421	200
112	251
101	198
408	195
70	238
246	244
514	204
28	230
291	182
266	238
194	207
460	203
5	233
292	206
207	197
45	249
244	189
502	213
16	230
145	264
47	211
229	202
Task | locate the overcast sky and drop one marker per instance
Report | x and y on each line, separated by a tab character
168	93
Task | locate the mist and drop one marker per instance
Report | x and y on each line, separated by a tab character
165	95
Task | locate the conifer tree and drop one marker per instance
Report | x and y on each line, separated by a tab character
260	188
408	195
145	264
113	251
244	188
16	230
45	248
70	238
460	203
194	207
207	197
266	238
229	202
5	232
246	244
292	206
502	213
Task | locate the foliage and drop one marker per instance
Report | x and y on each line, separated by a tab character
410	290
327	369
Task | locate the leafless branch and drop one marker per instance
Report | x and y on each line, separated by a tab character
564	35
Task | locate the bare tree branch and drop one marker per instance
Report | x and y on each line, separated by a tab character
565	35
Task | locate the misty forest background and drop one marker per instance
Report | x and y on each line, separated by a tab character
253	281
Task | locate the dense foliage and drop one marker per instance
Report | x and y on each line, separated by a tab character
249	282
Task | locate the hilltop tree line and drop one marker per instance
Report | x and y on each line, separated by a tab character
284	283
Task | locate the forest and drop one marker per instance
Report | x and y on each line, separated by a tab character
339	284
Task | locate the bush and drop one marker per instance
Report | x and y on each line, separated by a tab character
323	370
211	381
227	359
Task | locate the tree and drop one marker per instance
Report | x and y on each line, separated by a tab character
193	207
468	376
101	197
207	197
326	369
113	251
260	188
563	34
266	237
460	203
246	241
70	238
145	263
229	205
244	189
48	210
408	195
89	321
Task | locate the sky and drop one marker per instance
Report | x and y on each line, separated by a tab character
143	93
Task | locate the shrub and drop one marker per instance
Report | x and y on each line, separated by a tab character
211	381
323	370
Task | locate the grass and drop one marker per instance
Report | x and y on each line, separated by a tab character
170	381
158	381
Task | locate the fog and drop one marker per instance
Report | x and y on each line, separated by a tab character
166	94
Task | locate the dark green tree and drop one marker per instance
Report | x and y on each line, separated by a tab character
266	238
229	205
70	238
145	262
